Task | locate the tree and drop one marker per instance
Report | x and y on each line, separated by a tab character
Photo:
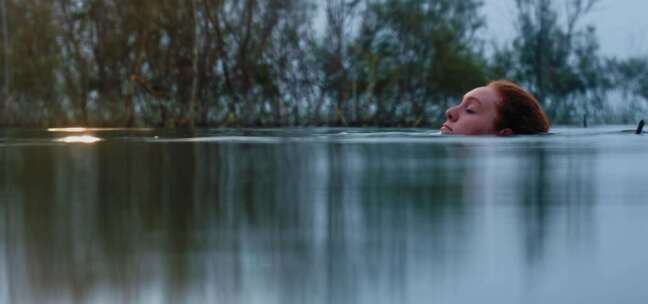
556	58
267	63
631	80
6	51
411	58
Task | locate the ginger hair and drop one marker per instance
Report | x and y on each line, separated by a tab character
518	110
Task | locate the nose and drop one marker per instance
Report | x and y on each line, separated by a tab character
451	114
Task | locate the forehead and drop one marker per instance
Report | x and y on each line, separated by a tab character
486	95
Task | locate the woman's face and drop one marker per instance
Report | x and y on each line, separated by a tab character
475	115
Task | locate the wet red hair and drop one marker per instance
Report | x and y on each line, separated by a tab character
518	110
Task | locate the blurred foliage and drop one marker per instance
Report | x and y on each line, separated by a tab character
295	62
557	59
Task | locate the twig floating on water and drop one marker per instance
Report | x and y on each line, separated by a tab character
640	127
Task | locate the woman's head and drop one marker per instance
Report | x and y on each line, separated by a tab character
500	108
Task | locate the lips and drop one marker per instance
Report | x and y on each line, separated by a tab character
445	128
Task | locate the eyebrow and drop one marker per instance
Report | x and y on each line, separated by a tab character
471	98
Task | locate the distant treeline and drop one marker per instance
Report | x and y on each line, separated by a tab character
297	62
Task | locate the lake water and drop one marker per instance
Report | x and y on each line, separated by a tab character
322	216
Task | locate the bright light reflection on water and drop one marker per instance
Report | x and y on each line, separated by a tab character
71	130
332	217
84	129
85	139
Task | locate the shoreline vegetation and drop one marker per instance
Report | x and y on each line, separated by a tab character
273	63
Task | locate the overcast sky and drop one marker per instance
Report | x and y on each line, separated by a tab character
622	25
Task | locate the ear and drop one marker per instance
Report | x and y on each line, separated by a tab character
505	132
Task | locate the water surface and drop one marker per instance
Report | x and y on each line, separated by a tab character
322	216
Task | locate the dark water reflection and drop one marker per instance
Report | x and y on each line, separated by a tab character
339	219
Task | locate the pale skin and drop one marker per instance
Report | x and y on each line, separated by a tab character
475	115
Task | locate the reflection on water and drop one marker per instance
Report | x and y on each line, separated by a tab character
84	129
84	139
541	220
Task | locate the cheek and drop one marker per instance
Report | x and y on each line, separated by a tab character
478	124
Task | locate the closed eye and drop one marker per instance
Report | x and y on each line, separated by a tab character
470	111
